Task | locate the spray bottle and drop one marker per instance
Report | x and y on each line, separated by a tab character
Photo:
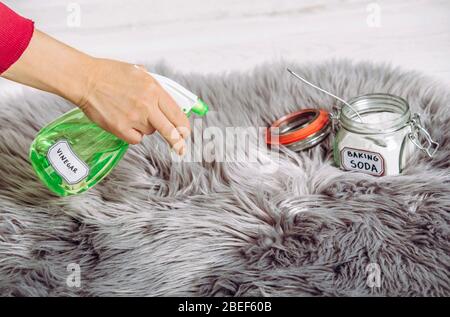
72	154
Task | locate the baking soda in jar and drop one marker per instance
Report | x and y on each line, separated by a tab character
377	143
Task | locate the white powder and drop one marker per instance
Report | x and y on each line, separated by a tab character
379	117
376	154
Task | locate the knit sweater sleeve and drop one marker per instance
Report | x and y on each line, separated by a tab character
15	35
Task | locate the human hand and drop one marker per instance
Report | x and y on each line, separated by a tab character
128	102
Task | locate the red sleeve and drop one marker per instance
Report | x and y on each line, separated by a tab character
15	35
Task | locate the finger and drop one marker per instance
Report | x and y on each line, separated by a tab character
173	113
180	147
184	131
131	136
145	129
165	128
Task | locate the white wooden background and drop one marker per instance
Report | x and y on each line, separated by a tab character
217	36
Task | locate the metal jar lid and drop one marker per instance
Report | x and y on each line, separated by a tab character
300	130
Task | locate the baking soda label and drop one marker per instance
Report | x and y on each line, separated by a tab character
66	163
362	161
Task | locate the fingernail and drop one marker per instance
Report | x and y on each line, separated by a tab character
179	147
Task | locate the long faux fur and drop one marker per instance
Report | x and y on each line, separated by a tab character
157	227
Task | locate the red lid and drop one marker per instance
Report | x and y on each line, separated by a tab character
297	126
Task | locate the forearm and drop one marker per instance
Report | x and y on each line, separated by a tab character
50	65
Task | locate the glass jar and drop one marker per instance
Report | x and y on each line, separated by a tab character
377	135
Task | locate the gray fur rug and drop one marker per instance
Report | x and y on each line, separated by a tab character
159	228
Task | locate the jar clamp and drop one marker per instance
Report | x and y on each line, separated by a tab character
431	146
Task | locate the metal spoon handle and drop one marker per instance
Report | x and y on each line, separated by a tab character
324	91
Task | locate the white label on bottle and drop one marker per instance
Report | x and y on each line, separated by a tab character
66	163
362	161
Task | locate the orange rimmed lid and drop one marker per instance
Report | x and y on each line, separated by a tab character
303	128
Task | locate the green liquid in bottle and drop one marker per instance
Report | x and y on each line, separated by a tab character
72	154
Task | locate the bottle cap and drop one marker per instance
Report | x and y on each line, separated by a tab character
300	130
